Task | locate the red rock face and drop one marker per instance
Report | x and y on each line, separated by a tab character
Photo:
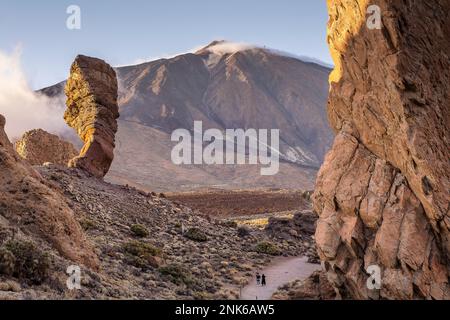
383	192
38	147
30	205
92	111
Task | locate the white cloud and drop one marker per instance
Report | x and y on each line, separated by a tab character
230	47
22	107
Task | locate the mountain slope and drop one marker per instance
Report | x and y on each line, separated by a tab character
226	89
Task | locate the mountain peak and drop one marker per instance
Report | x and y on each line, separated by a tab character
221	47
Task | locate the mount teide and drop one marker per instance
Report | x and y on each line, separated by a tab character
225	87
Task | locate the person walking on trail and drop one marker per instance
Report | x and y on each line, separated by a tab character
263	280
258	278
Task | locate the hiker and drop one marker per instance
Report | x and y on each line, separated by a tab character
258	278
263	282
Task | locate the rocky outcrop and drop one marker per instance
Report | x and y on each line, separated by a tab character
382	193
92	111
299	228
32	208
38	147
302	223
315	287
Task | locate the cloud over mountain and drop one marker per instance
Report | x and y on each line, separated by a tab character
23	108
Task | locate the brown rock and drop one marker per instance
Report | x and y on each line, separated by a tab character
92	111
397	285
382	193
305	221
37	209
39	147
315	287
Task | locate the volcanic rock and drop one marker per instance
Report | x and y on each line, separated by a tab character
382	193
315	287
38	147
31	206
302	223
92	111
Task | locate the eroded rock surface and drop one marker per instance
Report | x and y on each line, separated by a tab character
38	147
382	193
32	208
92	111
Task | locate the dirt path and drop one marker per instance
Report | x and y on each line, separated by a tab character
278	273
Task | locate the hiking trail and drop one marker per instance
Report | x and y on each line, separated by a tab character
281	271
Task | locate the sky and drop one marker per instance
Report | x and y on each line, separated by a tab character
133	31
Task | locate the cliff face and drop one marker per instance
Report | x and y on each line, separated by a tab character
383	192
30	205
38	147
92	111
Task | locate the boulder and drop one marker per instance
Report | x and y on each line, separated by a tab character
38	147
92	110
315	287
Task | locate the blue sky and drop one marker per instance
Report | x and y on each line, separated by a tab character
123	32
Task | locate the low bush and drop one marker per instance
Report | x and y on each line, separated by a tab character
88	224
177	274
141	254
267	248
243	231
23	260
196	234
139	230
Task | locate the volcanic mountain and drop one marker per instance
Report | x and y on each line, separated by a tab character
226	86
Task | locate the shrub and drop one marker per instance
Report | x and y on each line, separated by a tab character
139	230
88	224
141	254
196	234
243	231
7	262
267	248
229	224
177	274
30	262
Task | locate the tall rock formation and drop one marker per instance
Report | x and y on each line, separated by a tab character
92	111
30	205
383	192
38	147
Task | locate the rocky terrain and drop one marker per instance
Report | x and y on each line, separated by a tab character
128	244
147	247
29	201
246	88
38	147
92	111
381	195
383	191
